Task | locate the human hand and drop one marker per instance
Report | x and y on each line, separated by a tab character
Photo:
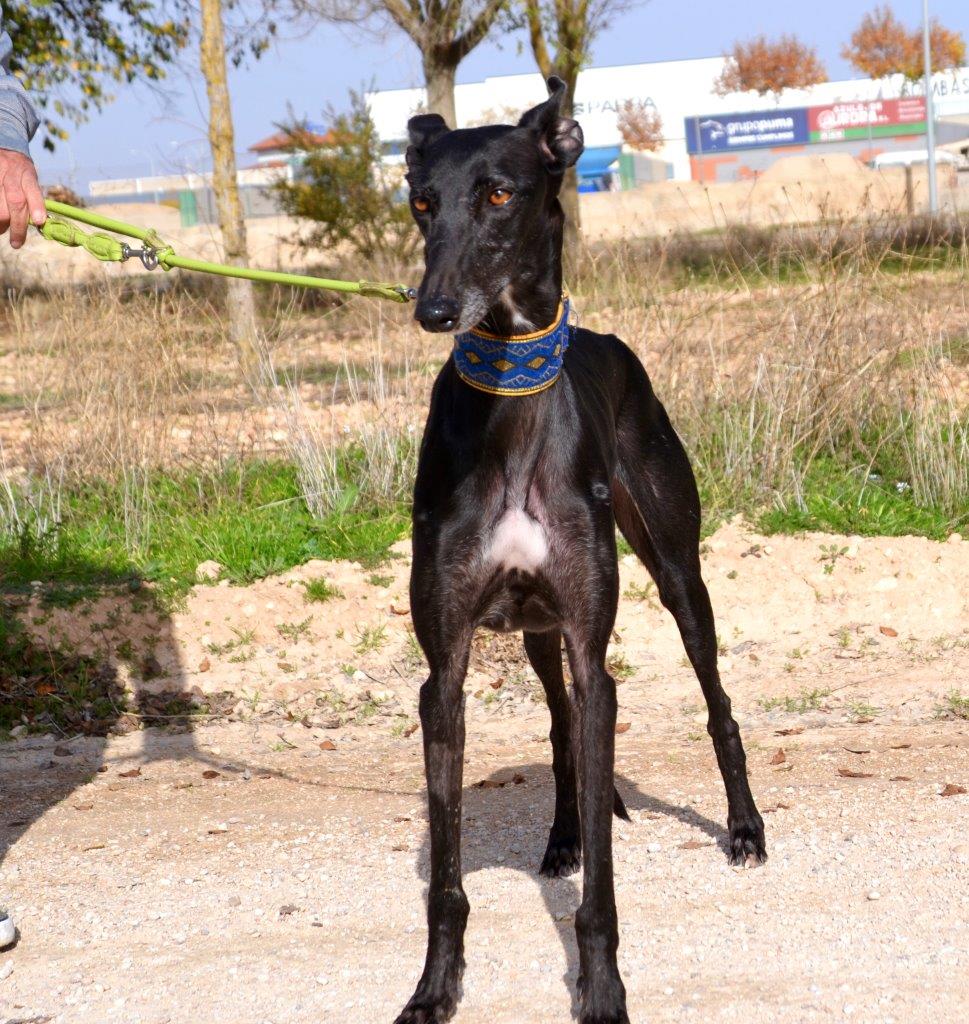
21	201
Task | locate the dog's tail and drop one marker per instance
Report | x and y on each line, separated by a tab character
618	807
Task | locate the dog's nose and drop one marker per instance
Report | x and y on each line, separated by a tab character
437	313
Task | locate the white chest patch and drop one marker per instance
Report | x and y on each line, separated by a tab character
519	542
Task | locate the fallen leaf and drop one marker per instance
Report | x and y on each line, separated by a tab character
327	745
131	774
951	789
858	750
45	689
849	773
887	631
411	729
900	778
399	848
211	773
83	807
777	807
795	730
205	665
489	784
218	830
864	721
287	908
60	751
401	818
399	611
622	727
901	746
497	684
518	779
780	757
693	844
182	785
94	846
102	768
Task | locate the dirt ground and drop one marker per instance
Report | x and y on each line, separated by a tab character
269	865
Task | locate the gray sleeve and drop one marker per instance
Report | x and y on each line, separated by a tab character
18	120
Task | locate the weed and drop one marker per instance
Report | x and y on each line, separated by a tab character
954	705
620	667
805	701
376	580
646	593
862	709
830	553
371	638
319	591
295	631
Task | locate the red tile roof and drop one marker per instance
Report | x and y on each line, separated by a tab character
285	140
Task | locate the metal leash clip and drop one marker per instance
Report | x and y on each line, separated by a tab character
148	256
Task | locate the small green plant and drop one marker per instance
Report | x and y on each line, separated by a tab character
862	709
318	591
241	638
954	705
830	553
646	593
294	631
371	638
377	580
414	656
619	666
806	700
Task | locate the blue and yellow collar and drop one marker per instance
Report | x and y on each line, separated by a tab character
523	364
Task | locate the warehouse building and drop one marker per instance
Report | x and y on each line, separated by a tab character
708	137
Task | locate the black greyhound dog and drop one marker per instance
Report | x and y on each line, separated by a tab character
518	494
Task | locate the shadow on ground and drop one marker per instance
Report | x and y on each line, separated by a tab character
500	806
81	695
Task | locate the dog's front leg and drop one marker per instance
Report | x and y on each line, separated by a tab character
602	996
442	723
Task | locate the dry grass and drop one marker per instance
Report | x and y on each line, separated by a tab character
773	351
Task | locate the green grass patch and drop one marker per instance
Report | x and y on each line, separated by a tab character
251	519
840	499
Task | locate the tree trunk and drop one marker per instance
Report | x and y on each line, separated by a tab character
569	196
439	79
243	328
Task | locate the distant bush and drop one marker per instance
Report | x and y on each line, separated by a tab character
345	190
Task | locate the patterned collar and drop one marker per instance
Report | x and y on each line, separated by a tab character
523	364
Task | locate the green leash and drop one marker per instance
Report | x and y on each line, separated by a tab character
157	253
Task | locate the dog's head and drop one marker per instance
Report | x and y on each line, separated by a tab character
486	202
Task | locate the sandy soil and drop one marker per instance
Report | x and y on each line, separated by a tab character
288	886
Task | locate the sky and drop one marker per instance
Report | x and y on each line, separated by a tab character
145	132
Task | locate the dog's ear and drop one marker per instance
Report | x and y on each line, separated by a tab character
559	138
422	130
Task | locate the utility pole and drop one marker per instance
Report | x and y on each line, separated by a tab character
929	111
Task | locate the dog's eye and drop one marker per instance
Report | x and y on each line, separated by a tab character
420	204
499	196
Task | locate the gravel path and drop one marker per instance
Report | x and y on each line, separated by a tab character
288	887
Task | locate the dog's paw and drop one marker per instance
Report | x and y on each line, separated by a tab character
426	1010
604	1003
747	842
562	857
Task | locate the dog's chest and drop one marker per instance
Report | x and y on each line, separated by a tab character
518	541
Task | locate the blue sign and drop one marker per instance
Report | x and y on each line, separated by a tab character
723	133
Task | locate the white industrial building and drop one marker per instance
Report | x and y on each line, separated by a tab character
683	93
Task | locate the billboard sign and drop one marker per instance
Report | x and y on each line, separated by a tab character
723	133
867	119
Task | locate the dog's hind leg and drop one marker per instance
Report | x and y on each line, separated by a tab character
563	854
658	511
